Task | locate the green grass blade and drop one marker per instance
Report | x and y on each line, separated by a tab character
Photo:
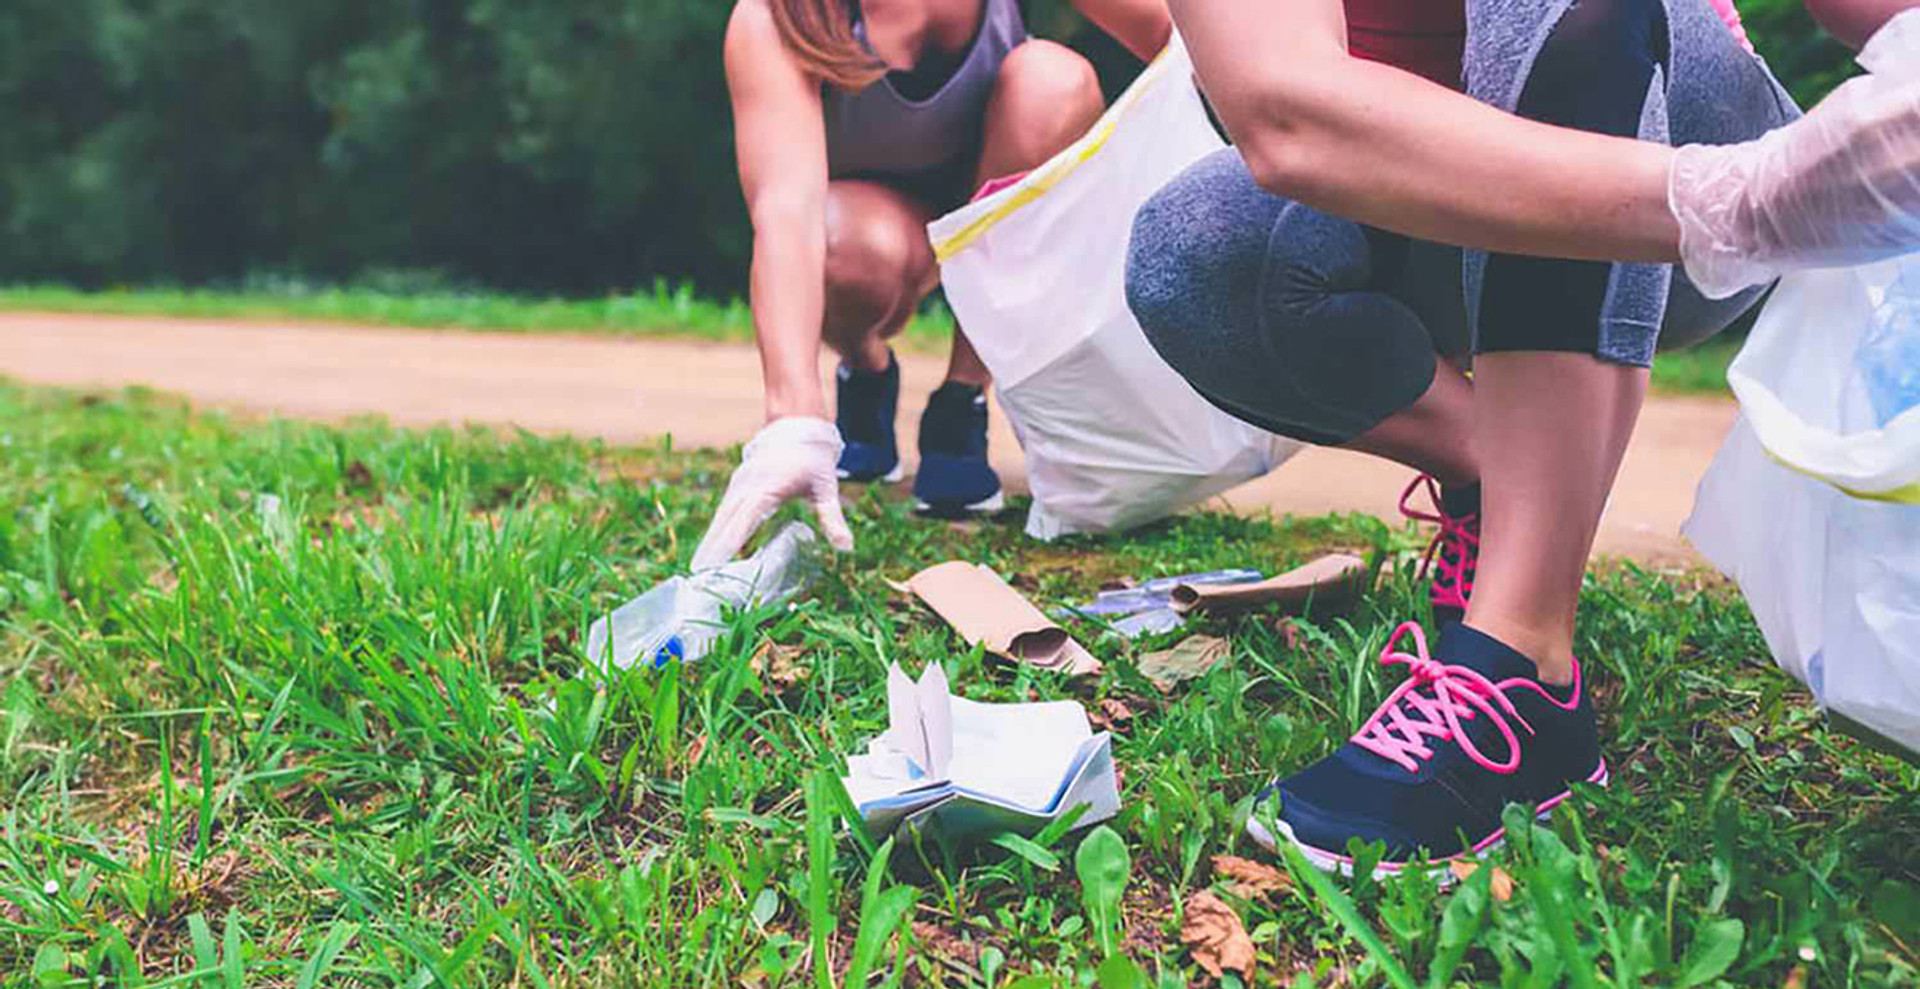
322	960
1343	909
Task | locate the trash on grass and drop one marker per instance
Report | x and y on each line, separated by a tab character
972	768
1250	880
984	608
1333	582
681	618
1192	657
1148	608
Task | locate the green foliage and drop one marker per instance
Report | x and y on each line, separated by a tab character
1807	59
293	705
567	146
573	146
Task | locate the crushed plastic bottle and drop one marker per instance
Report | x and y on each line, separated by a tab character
681	619
1889	356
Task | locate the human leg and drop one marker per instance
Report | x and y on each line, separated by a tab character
879	266
1497	713
1045	96
1564	345
1317	328
1293	320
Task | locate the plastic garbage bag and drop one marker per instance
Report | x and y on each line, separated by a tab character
682	618
1813	504
1036	273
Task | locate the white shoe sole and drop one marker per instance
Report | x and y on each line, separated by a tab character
894	476
988	506
1337	864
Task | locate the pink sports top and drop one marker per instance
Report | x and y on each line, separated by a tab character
1424	37
1427	37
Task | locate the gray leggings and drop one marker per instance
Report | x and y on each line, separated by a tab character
1319	328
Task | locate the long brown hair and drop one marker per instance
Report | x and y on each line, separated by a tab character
820	34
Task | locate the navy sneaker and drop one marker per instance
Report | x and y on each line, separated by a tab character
954	478
1431	772
866	404
1454	555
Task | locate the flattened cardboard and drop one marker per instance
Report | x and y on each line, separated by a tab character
983	608
1332	581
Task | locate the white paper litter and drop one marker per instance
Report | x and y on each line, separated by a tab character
971	767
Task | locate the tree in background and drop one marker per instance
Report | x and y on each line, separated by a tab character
569	146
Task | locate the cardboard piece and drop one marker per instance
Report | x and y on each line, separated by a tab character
983	608
969	768
1332	581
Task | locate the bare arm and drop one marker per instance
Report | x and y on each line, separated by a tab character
1854	21
780	141
1393	150
1142	25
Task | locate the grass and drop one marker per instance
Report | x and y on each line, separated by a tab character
1700	370
663	311
289	705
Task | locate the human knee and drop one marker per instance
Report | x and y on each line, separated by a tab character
870	263
1196	252
1044	81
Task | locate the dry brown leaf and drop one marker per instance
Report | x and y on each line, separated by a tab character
1251	879
1193	656
1218	939
1112	713
945	943
1289	633
1502	885
780	665
1796	979
696	750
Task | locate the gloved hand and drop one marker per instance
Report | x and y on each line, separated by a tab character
790	458
1839	187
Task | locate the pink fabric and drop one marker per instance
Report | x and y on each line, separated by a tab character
995	185
1424	37
1427	37
1731	14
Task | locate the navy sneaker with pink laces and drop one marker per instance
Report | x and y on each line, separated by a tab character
1454	553
1470	731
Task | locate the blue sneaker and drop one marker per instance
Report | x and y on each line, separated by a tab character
1433	769
866	403
954	478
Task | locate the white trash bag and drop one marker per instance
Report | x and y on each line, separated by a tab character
1813	504
1035	272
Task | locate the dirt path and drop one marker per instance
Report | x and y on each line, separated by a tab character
629	391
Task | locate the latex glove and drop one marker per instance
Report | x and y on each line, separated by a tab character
1839	187
797	457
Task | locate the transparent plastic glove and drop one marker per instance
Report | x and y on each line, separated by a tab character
797	457
1839	187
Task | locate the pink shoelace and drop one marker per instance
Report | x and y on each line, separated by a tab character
1431	704
1454	551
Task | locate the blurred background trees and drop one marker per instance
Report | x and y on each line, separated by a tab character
564	146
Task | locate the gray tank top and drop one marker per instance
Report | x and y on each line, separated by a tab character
879	132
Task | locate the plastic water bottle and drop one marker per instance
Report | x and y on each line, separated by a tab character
1889	356
681	619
